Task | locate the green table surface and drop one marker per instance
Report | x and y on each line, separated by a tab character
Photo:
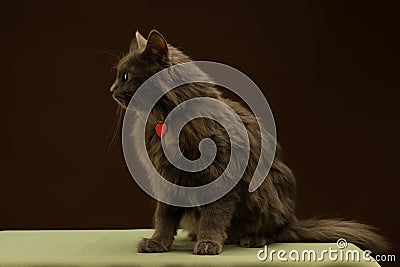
118	248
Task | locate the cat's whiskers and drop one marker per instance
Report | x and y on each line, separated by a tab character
116	125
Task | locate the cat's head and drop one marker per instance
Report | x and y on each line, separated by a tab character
145	58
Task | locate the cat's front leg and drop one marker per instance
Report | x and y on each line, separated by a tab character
214	220
166	223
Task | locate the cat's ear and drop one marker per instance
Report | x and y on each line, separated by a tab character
138	42
156	44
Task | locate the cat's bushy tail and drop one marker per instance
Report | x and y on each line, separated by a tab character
330	230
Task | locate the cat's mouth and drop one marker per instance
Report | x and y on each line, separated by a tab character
122	99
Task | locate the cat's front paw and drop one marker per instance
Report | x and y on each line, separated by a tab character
207	247
252	241
149	245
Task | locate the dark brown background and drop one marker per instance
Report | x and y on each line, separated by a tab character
329	69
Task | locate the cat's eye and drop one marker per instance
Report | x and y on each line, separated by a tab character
125	77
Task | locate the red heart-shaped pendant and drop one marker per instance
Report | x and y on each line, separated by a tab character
161	128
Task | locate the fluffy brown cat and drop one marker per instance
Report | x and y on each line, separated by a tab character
248	219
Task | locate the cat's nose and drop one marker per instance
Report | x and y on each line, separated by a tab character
112	89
